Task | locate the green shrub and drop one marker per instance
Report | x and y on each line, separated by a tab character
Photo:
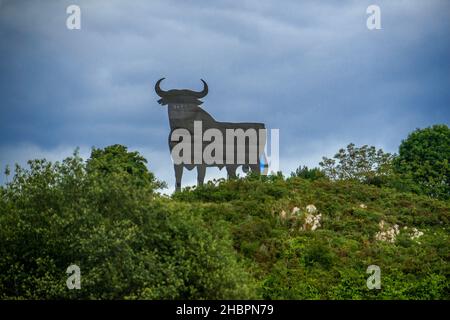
225	240
128	242
424	158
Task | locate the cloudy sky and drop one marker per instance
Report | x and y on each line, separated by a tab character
310	68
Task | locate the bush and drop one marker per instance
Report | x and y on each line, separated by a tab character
243	238
128	241
424	158
309	174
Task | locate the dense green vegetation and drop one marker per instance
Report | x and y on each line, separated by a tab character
309	236
330	262
424	157
128	241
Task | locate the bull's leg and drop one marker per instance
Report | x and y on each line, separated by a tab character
201	171
231	171
178	174
255	168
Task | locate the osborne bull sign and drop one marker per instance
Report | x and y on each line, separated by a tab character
197	140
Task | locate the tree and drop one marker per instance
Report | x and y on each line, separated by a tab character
116	160
7	172
308	174
129	242
424	156
365	164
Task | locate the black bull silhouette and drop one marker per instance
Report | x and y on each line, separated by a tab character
184	108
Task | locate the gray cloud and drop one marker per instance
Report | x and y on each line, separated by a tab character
310	68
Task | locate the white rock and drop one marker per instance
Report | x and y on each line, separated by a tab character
310	208
312	222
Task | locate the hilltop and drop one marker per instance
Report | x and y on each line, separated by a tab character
306	239
256	237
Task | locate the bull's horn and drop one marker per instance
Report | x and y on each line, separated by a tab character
158	90
202	93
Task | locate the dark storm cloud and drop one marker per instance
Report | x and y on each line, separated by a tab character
311	68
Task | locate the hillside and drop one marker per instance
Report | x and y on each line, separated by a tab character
325	255
255	237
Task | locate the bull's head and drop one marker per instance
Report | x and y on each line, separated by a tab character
183	96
